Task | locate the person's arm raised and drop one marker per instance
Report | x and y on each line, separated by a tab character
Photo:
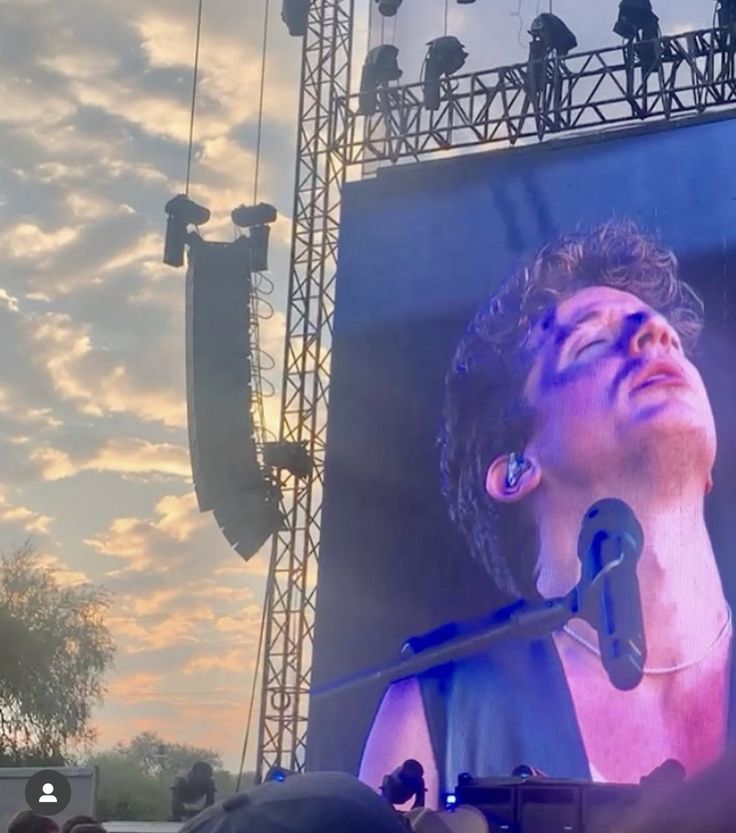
399	732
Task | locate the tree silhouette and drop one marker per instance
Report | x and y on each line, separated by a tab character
54	651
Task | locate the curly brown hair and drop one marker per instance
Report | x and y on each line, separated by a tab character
485	414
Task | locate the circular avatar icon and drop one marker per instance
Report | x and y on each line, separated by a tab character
48	792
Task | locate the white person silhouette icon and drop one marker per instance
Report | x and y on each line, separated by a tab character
48	796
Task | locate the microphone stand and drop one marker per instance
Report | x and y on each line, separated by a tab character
529	620
533	620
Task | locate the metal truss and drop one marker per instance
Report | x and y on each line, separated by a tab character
664	78
292	581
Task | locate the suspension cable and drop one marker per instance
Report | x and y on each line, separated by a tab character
249	720
254	323
194	96
260	102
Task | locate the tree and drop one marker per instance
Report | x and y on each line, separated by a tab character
125	792
54	651
135	778
155	756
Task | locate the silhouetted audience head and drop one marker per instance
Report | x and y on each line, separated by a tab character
26	821
74	821
706	803
670	771
88	828
316	802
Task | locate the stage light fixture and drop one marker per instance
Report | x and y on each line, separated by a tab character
444	56
292	456
726	10
553	33
295	14
278	773
257	219
388	8
192	792
465	2
381	66
637	22
181	213
526	771
636	19
247	216
405	782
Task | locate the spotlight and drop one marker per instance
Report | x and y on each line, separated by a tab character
553	33
636	18
388	8
726	10
192	792
636	21
278	773
381	66
405	782
293	457
246	216
295	14
182	212
526	771
257	219
444	56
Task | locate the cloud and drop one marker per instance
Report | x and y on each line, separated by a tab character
137	686
140	456
63	574
8	300
96	378
119	454
22	516
30	521
143	543
54	464
234	660
133	636
26	241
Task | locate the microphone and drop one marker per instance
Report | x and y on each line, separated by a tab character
609	547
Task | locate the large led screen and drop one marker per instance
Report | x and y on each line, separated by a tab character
518	335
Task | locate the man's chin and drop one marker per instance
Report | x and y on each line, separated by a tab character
670	441
671	415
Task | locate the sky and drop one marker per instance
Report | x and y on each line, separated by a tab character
94	457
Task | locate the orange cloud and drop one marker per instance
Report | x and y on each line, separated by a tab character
29	520
93	378
126	455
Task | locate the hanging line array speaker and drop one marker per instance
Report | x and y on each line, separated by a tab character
228	479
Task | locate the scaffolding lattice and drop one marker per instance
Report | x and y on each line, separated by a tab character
320	173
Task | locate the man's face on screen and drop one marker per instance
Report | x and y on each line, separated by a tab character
611	387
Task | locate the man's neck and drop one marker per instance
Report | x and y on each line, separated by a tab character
681	592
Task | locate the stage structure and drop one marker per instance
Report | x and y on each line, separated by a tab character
325	80
693	73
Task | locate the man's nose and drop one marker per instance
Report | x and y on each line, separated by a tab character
652	333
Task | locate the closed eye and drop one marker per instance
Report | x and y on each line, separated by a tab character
590	344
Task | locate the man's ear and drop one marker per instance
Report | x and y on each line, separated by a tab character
497	479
